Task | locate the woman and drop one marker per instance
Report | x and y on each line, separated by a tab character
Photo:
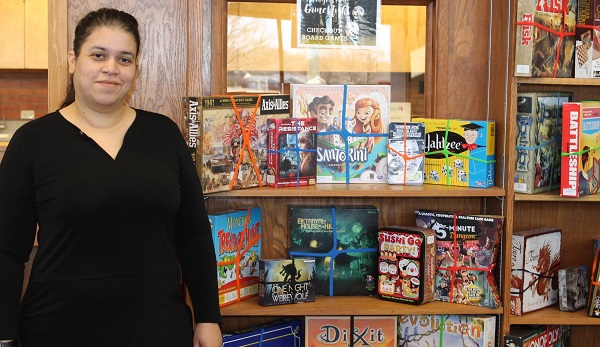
119	210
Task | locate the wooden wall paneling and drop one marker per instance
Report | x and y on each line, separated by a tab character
36	34
57	53
12	50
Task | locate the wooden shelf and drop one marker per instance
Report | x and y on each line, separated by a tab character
555	197
553	315
350	305
560	81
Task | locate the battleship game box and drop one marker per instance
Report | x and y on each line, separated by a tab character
237	239
587	36
459	152
234	139
573	288
446	330
406	153
538	335
535	264
352	129
406	265
344	331
286	281
343	241
539	129
467	248
285	332
292	154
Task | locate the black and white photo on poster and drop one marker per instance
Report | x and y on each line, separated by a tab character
334	23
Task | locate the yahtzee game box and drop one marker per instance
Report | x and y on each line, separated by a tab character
286	281
446	330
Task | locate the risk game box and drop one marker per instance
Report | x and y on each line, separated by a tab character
234	139
580	166
286	281
406	153
573	288
535	264
343	241
459	152
587	36
539	128
285	332
467	247
344	331
446	330
292	154
406	265
237	238
538	335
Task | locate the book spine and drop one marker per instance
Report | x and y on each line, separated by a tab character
569	182
524	38
516	283
272	154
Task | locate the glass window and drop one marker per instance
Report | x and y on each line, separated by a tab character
262	53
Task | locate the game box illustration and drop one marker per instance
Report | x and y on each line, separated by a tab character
535	265
538	335
406	153
237	239
406	265
573	288
446	330
587	36
467	247
336	331
593	308
343	241
539	128
285	332
286	281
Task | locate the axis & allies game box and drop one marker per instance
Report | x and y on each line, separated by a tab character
538	335
286	281
406	265
285	332
406	153
467	248
535	264
344	331
446	330
343	241
237	239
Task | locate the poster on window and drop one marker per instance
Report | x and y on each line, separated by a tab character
335	23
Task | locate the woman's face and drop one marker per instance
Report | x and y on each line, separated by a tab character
104	71
364	114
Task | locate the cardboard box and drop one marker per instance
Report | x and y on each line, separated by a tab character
573	288
406	153
286	281
237	239
538	335
286	332
446	330
336	331
539	129
535	265
343	241
587	36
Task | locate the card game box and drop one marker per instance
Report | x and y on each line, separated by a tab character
446	330
459	152
286	281
237	239
580	166
534	272
406	264
406	153
354	331
545	49
538	335
292	154
587	36
467	248
234	139
285	332
573	288
343	241
539	134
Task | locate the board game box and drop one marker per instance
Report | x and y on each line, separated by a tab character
234	139
580	165
446	330
547	48
406	153
237	239
292	154
538	335
191	125
467	248
573	288
459	152
587	36
593	308
285	332
406	264
539	128
343	241
534	272
286	281
344	331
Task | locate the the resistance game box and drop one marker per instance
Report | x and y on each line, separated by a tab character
446	330
286	281
406	153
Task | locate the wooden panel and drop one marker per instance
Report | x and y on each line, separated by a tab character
57	53
12	17
36	34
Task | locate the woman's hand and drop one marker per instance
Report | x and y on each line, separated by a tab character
208	335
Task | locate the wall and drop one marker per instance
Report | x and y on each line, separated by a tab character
23	90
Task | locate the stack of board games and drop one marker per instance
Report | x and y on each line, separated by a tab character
406	264
459	152
237	239
534	269
343	241
232	151
446	330
285	332
467	247
573	288
372	331
547	48
292	154
406	153
580	165
587	35
286	281
594	299
539	128
352	129
538	335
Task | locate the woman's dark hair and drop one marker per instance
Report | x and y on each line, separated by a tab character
104	17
